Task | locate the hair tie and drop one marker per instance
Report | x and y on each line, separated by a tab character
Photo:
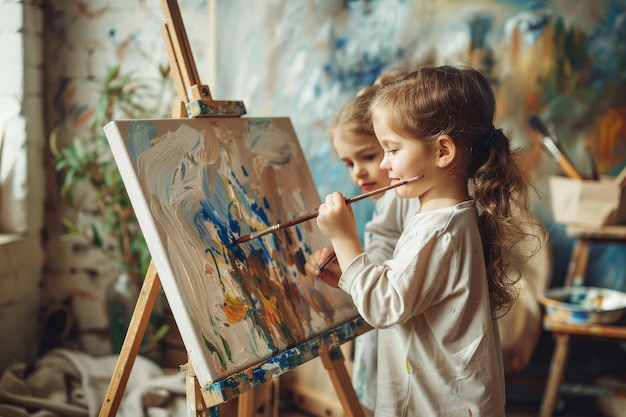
489	138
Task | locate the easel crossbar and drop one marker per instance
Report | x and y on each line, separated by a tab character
327	343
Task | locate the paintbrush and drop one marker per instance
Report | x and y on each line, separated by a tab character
592	162
314	214
555	150
327	262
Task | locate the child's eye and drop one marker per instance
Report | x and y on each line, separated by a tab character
391	151
371	157
349	164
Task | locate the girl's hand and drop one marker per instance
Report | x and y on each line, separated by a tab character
336	219
331	273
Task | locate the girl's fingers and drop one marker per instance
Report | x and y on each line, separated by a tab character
311	270
338	197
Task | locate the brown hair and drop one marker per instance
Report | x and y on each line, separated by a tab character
355	115
460	102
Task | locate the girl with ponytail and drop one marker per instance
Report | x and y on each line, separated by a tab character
452	274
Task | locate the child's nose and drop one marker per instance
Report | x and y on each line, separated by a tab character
359	171
384	164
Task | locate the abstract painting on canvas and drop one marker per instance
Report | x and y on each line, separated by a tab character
196	185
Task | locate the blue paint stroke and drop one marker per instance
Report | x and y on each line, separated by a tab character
327	342
479	29
207	214
139	135
254	208
269	142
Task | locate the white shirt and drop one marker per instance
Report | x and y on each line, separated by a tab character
438	347
390	217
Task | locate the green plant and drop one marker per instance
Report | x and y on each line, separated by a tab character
90	181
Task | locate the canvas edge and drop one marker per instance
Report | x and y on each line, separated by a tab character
195	349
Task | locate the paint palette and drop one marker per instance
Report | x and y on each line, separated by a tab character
584	305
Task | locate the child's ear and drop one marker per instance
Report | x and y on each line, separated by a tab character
446	151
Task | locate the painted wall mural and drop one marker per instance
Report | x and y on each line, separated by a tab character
196	186
564	61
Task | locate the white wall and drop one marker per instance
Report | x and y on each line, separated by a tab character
38	272
86	40
21	179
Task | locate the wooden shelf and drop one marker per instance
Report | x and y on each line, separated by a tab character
610	233
614	331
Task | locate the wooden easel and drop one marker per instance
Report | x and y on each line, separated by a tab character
195	101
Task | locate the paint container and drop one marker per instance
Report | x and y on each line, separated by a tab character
58	326
584	305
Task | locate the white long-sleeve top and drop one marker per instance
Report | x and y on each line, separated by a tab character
390	217
438	347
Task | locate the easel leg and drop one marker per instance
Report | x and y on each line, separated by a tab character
132	342
245	407
578	263
195	403
557	371
334	364
261	401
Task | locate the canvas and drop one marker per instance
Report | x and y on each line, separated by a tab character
196	185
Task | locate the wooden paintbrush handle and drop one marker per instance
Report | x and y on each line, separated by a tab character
300	219
314	214
568	168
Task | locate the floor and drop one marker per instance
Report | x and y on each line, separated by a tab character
524	393
581	408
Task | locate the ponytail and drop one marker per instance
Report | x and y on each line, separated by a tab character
460	103
501	187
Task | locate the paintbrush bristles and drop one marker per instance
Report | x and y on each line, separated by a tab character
260	233
314	214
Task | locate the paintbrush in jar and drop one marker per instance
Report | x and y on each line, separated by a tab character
555	150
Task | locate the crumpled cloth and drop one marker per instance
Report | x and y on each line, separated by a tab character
65	383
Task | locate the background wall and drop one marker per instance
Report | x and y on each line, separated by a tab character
85	40
21	179
562	60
